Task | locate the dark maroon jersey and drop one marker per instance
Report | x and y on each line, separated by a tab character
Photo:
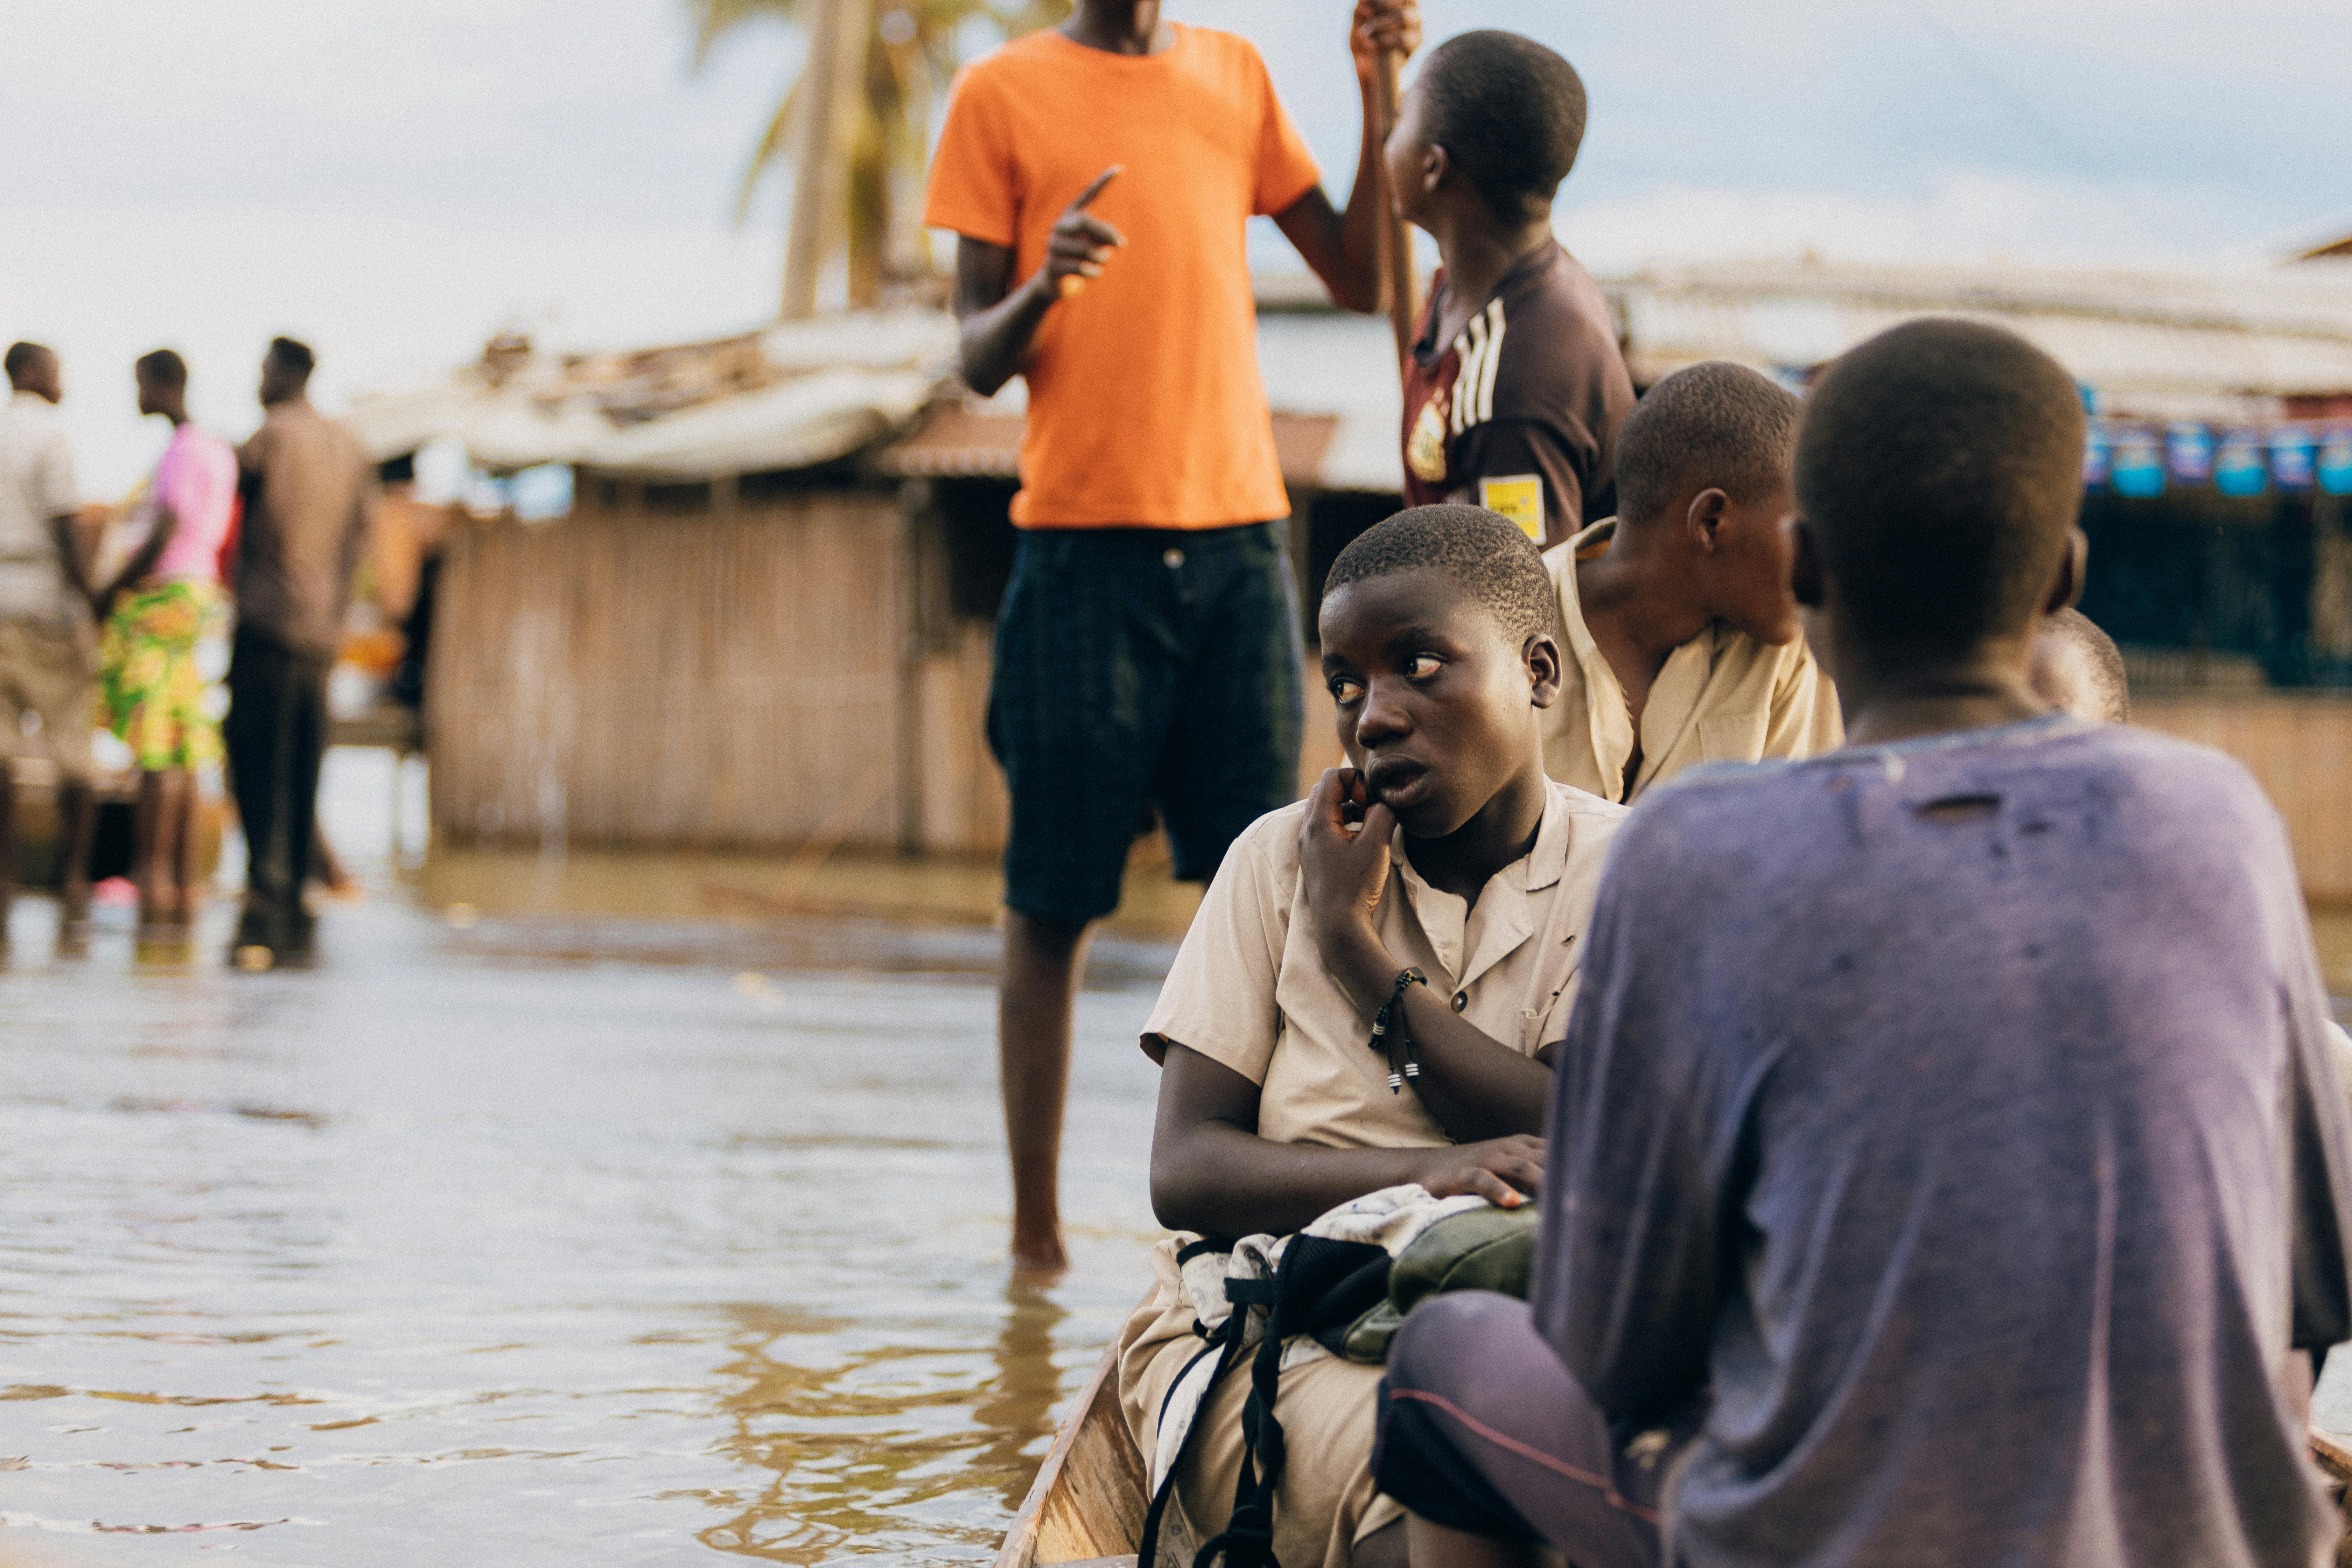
1519	411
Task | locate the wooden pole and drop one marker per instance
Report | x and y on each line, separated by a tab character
1396	236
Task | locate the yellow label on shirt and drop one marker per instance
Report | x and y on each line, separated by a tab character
1518	497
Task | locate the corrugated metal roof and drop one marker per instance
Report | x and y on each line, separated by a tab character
790	398
2217	342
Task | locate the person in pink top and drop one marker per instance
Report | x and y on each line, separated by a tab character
158	606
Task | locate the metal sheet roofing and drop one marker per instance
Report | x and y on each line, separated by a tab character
2216	342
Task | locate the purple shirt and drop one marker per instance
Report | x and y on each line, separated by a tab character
1960	1112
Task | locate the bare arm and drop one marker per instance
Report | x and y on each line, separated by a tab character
1213	1173
1474	1085
76	569
1344	251
142	560
1000	320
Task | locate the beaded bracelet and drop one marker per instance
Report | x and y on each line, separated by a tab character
1392	1010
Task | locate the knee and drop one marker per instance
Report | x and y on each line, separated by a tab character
1428	1348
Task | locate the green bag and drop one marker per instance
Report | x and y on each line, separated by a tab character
1485	1249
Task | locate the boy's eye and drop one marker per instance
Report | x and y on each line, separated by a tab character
1345	690
1420	667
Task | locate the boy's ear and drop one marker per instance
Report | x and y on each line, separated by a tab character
2067	586
1542	657
1805	575
1704	517
1436	163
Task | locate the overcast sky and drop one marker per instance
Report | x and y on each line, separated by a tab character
396	182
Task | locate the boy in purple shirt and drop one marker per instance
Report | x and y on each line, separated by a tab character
1947	1167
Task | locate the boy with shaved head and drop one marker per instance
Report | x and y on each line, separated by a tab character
1682	636
1439	883
1947	1167
1514	387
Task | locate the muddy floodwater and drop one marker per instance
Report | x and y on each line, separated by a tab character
583	1211
550	1237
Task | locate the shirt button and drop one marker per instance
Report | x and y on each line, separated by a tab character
1461	1000
1171	559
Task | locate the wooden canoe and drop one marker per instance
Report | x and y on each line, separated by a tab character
1086	1509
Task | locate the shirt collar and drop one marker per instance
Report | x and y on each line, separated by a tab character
1468	942
1572	609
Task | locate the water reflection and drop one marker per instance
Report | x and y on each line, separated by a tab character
858	1444
1019	1410
412	1258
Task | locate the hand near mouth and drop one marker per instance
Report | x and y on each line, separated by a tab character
1343	869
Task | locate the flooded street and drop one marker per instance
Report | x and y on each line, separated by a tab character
528	1232
539	1238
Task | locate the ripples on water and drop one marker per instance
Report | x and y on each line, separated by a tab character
488	1246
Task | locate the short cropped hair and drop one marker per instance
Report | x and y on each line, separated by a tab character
2110	686
1715	423
1510	113
22	358
1486	555
293	355
1939	466
164	368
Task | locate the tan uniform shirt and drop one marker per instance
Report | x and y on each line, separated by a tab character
1723	697
1249	990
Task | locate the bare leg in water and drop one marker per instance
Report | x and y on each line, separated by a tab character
7	845
159	835
77	819
181	858
1043	961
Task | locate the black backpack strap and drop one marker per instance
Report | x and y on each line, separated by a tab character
1247	1539
1222	1343
1316	1280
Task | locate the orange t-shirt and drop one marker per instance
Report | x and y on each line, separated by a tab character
1145	406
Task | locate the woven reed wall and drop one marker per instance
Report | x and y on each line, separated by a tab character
788	672
628	678
2300	750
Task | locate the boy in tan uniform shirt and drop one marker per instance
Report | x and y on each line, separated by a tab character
1682	635
1442	847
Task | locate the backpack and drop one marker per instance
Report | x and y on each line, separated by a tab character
1340	1286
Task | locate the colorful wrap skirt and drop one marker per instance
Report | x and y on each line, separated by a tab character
150	691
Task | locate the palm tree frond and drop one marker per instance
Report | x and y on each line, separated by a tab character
772	145
714	20
912	55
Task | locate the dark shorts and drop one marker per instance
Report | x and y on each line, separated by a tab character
1140	667
1483	1429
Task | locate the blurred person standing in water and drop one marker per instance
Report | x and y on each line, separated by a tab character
1099	178
158	605
46	637
309	500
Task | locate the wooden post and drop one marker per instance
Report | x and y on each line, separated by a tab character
1396	235
830	84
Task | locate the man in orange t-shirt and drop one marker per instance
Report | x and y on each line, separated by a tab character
1100	177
